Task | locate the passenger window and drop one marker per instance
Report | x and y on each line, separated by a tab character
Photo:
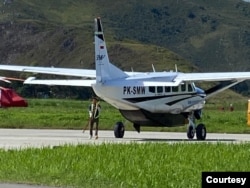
167	89
175	89
159	89
152	89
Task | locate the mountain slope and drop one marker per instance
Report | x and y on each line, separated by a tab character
213	35
61	34
203	35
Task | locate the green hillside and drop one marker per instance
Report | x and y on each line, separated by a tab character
213	35
197	35
56	33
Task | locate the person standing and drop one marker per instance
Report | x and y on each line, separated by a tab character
231	108
94	114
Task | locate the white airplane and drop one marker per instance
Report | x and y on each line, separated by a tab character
146	99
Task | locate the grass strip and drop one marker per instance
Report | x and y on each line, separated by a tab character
73	114
122	165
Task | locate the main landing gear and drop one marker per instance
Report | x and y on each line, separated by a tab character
119	130
200	129
192	129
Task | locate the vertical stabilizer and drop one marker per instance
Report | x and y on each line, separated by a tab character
104	69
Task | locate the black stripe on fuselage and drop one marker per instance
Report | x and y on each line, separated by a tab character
142	99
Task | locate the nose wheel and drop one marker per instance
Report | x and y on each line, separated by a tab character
192	129
190	132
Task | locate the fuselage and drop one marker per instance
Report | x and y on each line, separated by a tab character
132	95
134	99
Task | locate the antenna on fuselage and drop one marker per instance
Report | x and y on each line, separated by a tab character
153	67
176	69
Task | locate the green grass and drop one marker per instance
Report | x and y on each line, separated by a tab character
56	114
122	165
73	114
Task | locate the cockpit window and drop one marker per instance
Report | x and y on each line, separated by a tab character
190	88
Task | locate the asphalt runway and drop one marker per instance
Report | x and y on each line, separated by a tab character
39	138
24	138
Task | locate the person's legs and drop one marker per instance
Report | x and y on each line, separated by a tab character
96	127
91	124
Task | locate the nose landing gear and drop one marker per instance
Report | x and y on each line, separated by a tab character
192	129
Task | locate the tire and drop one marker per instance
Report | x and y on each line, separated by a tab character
201	132
119	130
190	132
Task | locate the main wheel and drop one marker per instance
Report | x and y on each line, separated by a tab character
119	130
201	132
190	132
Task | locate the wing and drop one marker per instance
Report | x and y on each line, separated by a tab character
217	76
178	77
62	82
175	78
86	73
227	79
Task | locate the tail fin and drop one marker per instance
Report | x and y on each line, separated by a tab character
104	69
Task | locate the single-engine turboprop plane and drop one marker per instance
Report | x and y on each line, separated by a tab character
146	99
